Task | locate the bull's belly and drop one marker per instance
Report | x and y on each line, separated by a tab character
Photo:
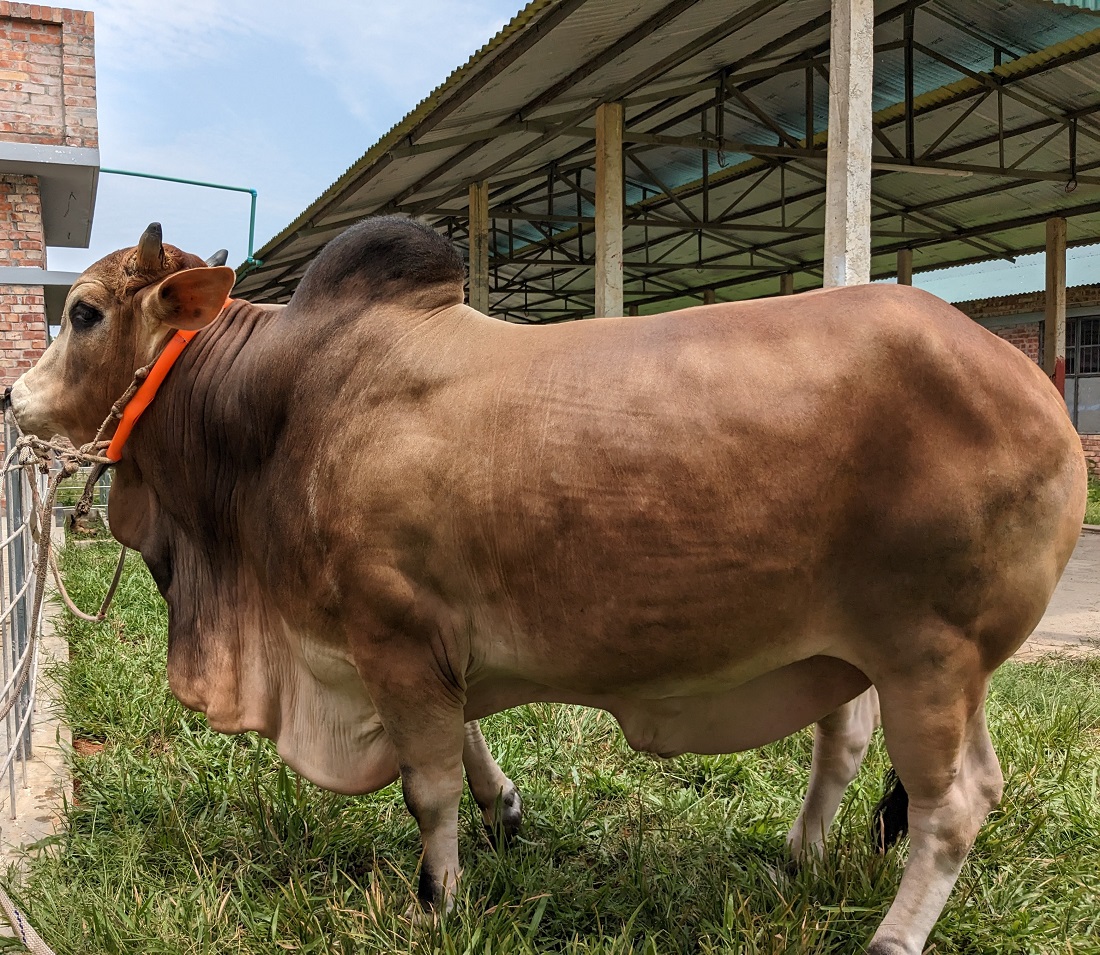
725	719
328	729
310	699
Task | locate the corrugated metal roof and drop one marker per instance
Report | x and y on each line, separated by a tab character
519	112
1083	4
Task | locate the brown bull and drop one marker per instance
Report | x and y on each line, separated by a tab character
377	515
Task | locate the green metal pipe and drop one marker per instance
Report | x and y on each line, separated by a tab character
208	185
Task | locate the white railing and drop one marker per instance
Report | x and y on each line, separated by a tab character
19	648
71	491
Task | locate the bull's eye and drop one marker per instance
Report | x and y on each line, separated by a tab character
83	315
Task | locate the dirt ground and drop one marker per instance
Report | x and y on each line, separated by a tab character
1072	621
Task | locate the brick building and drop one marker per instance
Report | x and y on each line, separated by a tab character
49	167
1019	319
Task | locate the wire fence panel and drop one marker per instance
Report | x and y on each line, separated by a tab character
20	649
71	491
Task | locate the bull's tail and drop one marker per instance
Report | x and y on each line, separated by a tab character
890	818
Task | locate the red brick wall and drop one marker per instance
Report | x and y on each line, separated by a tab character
22	307
47	75
22	241
1091	443
1024	337
984	308
22	330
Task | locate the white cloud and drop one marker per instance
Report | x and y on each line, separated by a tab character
367	53
388	50
278	96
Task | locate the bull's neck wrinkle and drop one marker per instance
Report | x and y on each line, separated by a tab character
145	394
222	399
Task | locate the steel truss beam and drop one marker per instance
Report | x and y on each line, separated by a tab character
724	89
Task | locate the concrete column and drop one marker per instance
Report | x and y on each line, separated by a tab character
786	284
1054	332
609	209
708	296
905	266
848	187
479	246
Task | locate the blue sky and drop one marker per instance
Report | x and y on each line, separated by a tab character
282	97
278	96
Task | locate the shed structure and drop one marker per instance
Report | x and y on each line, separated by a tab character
635	156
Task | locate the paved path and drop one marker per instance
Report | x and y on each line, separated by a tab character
1072	621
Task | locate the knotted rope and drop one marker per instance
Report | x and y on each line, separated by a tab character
33	454
31	940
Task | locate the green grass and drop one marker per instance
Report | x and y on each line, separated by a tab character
185	841
1092	508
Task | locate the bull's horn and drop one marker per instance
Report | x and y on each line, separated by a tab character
218	258
150	249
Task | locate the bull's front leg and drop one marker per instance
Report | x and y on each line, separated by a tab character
422	712
431	782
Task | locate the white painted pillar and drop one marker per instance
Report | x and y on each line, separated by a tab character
479	246
609	210
1054	328
905	266
848	189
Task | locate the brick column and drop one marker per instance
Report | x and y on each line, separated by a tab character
22	307
47	98
47	75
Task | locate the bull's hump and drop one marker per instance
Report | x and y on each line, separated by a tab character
384	259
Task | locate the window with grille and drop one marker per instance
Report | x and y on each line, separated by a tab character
1083	373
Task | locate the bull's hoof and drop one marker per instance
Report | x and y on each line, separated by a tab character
890	818
503	818
811	859
422	918
433	902
886	946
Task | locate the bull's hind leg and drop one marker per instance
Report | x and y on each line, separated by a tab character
840	743
495	794
942	752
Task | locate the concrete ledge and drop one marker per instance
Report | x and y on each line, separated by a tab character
68	177
32	275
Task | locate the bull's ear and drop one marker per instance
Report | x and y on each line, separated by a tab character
190	299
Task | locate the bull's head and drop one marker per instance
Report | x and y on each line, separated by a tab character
117	317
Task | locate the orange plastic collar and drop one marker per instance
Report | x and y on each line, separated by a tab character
145	394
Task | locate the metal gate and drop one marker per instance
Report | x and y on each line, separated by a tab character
20	650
